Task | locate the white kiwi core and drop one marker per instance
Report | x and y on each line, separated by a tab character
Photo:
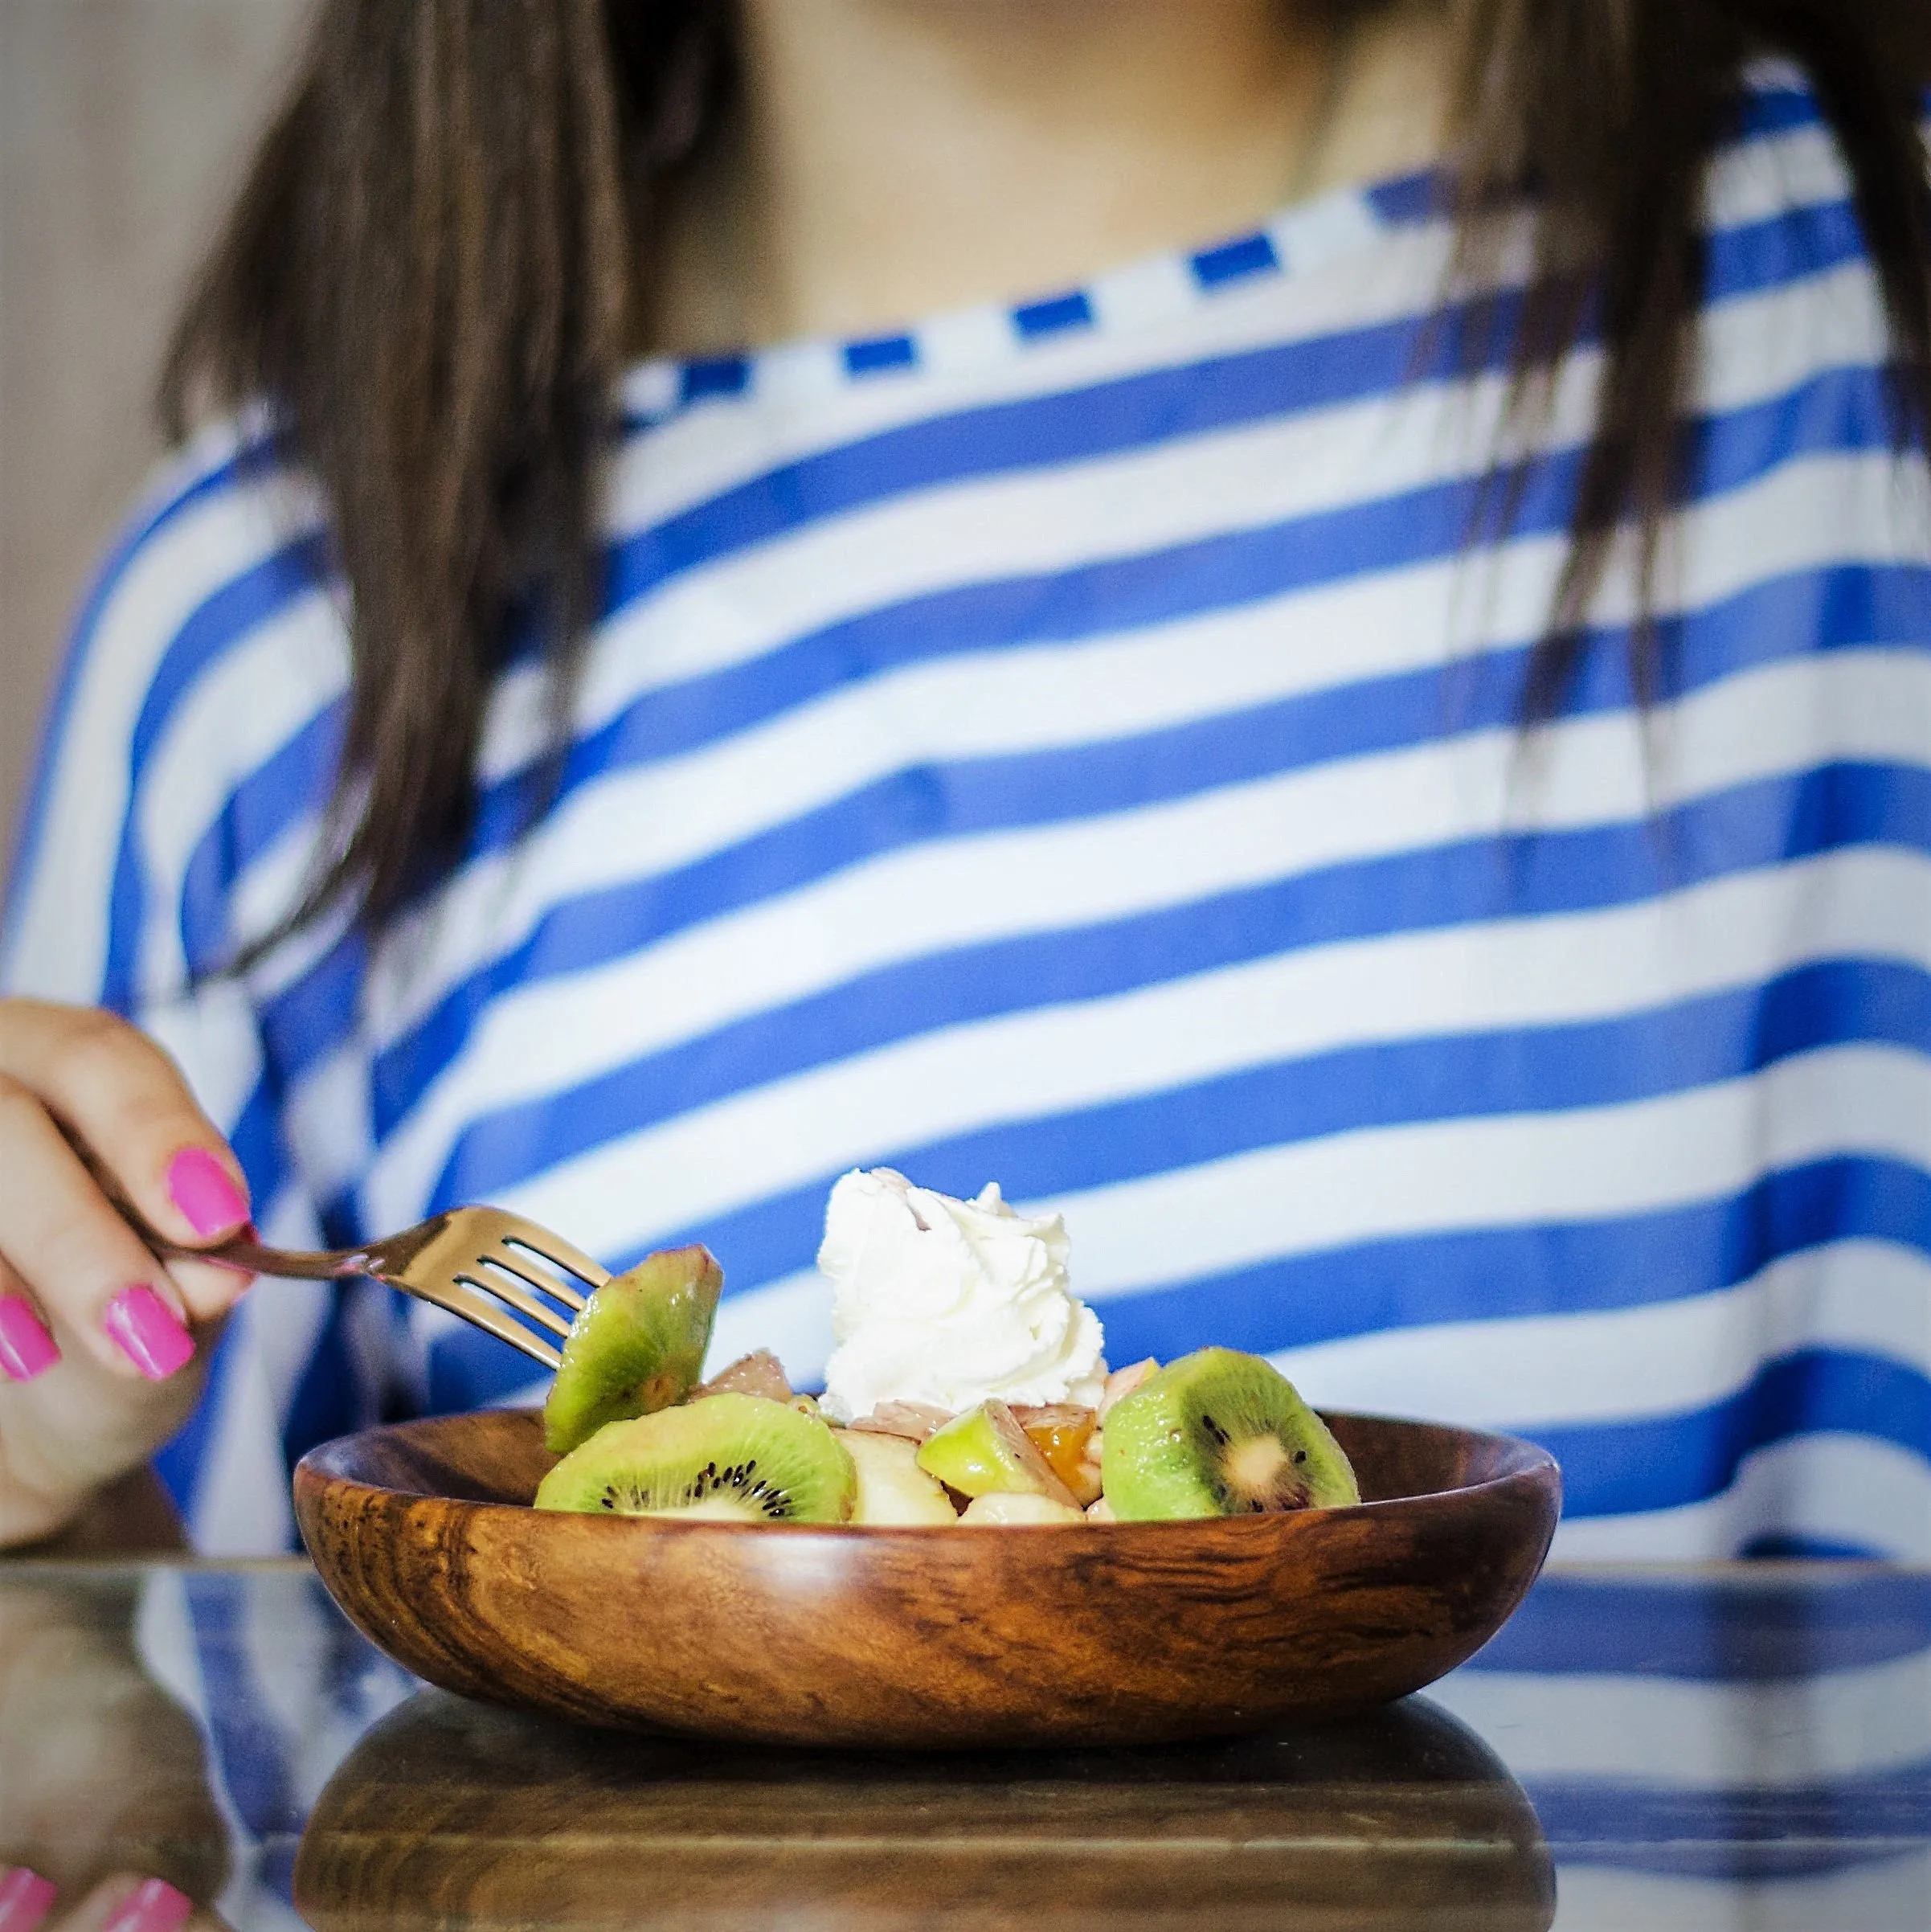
720	1506
1255	1468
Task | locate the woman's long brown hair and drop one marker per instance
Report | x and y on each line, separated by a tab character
433	278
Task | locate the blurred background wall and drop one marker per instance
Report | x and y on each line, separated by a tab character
123	126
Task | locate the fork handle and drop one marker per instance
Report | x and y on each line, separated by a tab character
240	1251
251	1258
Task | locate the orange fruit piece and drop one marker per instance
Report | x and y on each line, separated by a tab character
1060	1431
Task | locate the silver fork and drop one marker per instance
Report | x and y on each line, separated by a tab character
467	1260
476	1262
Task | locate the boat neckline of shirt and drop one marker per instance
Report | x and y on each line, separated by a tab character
1163	286
1160	286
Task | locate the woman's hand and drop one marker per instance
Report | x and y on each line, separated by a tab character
102	1347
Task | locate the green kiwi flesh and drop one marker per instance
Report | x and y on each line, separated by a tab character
1219	1433
636	1345
986	1452
743	1459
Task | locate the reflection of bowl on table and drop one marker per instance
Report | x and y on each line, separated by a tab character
452	1814
958	1637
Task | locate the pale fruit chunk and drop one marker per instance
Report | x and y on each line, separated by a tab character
759	1372
892	1489
1122	1383
985	1451
1006	1507
915	1421
1092	1483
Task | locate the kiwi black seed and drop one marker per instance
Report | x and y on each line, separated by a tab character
1219	1433
741	1458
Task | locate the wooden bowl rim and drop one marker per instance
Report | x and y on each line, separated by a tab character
1525	1464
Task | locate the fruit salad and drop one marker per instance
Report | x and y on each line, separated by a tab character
967	1386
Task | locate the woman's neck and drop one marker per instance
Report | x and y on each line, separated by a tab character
896	158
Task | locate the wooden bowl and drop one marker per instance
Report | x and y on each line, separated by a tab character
449	1815
944	1638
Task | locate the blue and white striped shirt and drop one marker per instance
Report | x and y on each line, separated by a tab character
1070	745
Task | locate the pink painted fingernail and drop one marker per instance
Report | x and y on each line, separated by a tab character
25	1898
148	1335
199	1185
156	1906
25	1350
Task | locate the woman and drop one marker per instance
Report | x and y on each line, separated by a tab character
1378	760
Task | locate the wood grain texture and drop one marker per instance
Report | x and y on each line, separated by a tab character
449	1814
945	1638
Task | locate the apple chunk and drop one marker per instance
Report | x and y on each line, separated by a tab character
892	1489
985	1452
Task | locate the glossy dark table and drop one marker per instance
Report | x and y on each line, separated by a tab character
1744	1747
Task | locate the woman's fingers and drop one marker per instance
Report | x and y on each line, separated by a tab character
98	1340
25	1898
121	1098
27	1348
124	1098
88	1276
126	1904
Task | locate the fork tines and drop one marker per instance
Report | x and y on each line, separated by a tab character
529	1278
482	1306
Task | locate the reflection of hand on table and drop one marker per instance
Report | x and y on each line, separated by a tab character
125	1903
103	1782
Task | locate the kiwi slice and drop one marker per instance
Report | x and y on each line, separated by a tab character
742	1458
1218	1432
636	1345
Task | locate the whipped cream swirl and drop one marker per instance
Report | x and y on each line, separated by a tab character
950	1302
